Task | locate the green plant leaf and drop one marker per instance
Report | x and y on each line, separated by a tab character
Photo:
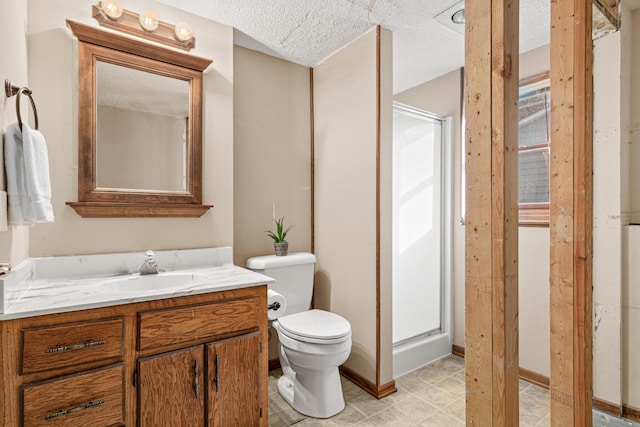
280	233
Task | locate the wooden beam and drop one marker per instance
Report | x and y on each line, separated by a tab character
609	9
604	20
571	213
491	283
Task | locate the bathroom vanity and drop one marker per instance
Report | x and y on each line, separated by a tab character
188	354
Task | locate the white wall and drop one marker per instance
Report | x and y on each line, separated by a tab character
630	295
14	244
53	78
533	299
346	134
272	152
611	69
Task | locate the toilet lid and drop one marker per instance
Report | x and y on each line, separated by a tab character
315	324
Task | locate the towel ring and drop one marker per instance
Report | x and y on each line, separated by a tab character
27	92
10	90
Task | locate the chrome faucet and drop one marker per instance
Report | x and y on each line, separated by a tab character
149	266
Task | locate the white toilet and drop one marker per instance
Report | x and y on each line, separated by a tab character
313	343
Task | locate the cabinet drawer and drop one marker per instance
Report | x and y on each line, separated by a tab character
187	324
93	398
71	344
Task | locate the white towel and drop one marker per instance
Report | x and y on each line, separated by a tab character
16	182
3	211
28	185
36	167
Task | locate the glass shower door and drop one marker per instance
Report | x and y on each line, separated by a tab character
419	234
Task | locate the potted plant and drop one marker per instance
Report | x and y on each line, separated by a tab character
280	245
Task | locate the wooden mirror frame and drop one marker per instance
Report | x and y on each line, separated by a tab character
96	44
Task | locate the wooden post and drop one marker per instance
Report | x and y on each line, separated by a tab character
571	213
491	283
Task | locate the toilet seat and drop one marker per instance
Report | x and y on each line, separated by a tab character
315	326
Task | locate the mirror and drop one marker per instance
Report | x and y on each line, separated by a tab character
142	124
139	128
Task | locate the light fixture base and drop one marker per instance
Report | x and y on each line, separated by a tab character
129	23
444	18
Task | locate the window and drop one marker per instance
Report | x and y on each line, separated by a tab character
534	129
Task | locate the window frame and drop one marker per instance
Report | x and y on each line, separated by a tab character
533	214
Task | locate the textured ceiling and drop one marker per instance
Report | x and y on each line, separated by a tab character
306	32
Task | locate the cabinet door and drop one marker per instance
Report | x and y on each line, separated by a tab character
170	389
233	382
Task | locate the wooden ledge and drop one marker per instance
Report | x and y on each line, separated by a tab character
138	210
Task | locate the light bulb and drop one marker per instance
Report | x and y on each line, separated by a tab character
112	9
183	32
148	21
458	17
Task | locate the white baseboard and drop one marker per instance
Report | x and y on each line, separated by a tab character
418	352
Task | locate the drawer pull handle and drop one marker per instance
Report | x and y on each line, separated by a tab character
62	412
74	347
216	380
196	387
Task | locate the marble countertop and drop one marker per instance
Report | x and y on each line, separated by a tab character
57	295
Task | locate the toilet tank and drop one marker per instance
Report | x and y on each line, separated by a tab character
293	274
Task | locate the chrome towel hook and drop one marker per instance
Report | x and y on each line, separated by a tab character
12	90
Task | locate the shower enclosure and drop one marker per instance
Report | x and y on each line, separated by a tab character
422	216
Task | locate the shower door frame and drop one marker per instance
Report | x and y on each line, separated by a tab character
414	352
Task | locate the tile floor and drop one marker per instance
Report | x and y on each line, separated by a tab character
431	396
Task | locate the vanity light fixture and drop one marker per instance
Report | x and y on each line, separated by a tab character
148	21
145	25
112	9
183	32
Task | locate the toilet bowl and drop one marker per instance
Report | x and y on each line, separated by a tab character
312	346
313	343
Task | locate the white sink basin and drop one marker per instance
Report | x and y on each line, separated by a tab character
150	282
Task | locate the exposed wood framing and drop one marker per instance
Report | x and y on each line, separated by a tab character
604	20
571	213
491	287
609	9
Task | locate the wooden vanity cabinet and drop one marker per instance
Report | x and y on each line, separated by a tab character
179	385
188	361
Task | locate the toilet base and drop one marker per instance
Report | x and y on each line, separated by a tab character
316	394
